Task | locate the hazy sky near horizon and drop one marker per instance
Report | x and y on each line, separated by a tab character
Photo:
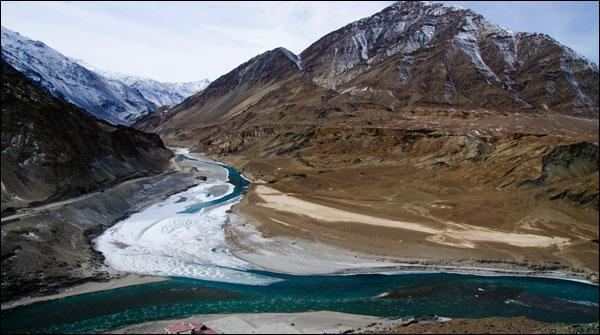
184	41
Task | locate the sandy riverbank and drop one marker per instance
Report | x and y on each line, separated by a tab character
55	239
304	257
101	277
326	322
272	323
118	282
399	213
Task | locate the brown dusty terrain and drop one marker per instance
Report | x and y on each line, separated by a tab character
432	184
469	186
477	207
519	325
475	185
403	212
412	155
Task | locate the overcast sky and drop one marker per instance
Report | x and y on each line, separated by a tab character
173	41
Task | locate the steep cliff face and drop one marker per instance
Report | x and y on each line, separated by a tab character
53	150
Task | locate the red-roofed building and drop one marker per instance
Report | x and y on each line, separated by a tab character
189	328
180	328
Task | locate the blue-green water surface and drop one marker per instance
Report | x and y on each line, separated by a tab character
450	295
240	184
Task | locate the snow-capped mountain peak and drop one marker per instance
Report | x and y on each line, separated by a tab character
464	48
118	99
157	92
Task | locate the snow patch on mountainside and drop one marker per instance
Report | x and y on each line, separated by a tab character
468	44
294	58
116	100
568	66
409	28
68	80
159	93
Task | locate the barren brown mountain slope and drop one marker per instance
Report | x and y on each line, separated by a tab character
470	142
52	150
428	54
229	95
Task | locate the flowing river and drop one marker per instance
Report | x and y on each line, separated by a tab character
183	238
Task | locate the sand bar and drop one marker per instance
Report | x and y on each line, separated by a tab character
127	280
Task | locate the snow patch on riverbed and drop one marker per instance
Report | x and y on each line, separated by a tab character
161	240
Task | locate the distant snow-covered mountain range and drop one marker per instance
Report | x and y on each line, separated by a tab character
114	97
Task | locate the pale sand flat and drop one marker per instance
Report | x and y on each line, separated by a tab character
272	323
459	235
